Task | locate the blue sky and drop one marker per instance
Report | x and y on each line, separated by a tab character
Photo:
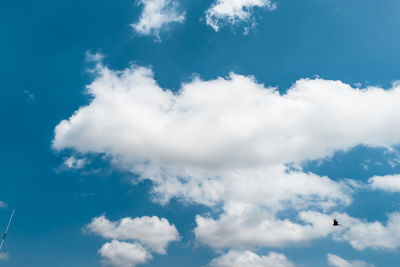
223	148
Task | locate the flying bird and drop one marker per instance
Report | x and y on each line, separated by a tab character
335	222
8	226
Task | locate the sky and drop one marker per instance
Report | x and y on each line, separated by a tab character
220	133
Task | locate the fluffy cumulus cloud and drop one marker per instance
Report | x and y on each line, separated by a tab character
237	144
116	253
336	261
154	232
242	226
389	183
275	187
156	127
157	14
360	233
250	259
375	235
234	11
143	233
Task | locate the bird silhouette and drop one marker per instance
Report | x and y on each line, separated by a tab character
335	222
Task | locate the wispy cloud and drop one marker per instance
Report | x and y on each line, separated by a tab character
72	163
232	12
75	163
30	97
94	57
93	61
336	261
156	15
4	256
3	205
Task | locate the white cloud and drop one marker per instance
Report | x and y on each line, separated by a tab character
156	128
94	57
4	256
154	232
3	204
284	188
389	183
229	140
250	259
244	226
359	233
75	163
161	135
157	14
234	11
336	261
116	253
375	235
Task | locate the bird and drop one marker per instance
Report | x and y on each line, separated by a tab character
335	222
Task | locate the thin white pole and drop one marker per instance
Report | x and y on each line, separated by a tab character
8	226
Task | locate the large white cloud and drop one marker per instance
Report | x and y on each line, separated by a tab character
157	14
230	140
234	11
224	127
250	259
336	261
154	232
116	253
226	123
